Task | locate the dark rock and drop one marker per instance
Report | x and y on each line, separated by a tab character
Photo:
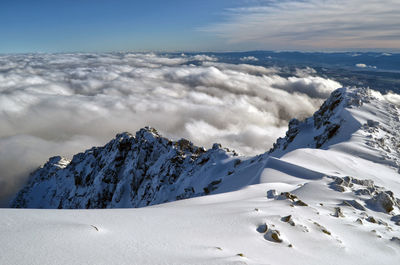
287	195
273	236
288	219
300	203
263	228
338	212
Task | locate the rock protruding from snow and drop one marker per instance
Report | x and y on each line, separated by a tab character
376	198
383	201
270	234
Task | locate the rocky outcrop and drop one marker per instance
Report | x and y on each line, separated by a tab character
375	198
129	171
324	124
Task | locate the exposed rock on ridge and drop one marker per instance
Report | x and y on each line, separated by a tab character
324	124
129	171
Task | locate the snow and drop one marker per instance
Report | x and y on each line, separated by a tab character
204	230
336	216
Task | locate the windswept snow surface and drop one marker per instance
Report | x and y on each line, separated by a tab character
326	194
205	230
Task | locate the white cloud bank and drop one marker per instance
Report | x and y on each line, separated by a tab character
63	104
249	59
363	65
312	24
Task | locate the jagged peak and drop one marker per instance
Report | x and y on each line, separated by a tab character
147	132
123	135
57	161
151	135
327	120
144	134
128	170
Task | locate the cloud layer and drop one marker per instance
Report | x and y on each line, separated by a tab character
65	103
312	24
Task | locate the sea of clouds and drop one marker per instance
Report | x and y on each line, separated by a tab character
61	104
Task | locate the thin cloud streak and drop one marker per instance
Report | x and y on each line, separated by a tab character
313	24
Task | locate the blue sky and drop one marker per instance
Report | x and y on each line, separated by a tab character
60	25
204	25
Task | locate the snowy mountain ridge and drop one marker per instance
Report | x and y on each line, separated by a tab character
326	193
129	171
148	169
349	114
325	123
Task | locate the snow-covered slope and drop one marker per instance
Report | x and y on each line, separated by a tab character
327	193
227	228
